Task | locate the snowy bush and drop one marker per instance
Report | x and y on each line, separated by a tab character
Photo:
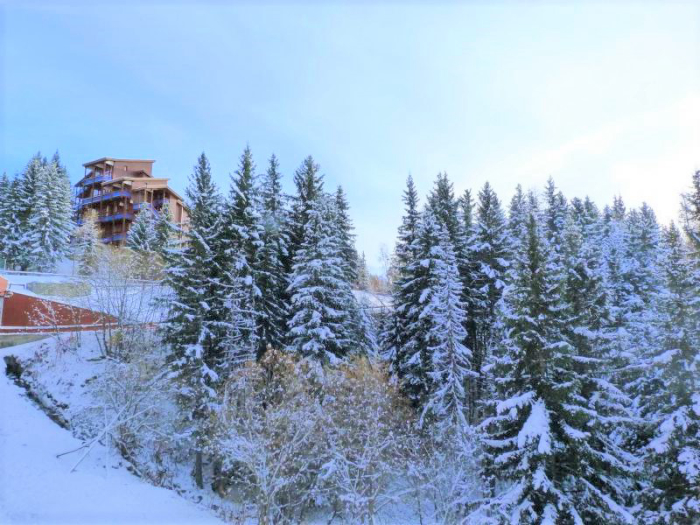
267	437
135	411
366	428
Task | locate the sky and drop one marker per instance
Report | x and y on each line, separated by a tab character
603	97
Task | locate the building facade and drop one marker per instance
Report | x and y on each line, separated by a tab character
118	189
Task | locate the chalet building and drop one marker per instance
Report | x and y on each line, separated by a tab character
118	189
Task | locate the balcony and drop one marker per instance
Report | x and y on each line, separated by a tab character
95	178
103	197
142	205
116	217
109	218
114	238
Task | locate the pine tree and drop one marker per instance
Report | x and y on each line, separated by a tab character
29	179
60	209
165	230
442	317
671	403
320	327
272	280
490	253
142	234
87	244
518	213
362	282
347	238
242	243
618	288
7	220
643	288
541	443
197	329
413	360
142	239
41	217
39	224
309	186
472	296
404	293
690	208
446	210
555	215
643	253
587	329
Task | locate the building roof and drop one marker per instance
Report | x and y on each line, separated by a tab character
105	159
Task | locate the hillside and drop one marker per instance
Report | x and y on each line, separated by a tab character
38	487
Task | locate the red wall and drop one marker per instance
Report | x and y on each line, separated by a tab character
26	310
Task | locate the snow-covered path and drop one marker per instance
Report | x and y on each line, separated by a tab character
36	487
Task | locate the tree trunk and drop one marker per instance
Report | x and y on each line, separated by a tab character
198	478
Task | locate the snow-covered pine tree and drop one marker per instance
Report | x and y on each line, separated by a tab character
7	220
60	209
142	234
347	238
4	213
38	233
272	279
242	243
489	252
27	188
12	243
165	230
362	324
87	244
320	325
617	286
405	292
467	218
466	207
472	297
587	329
42	213
362	282
671	400
690	209
540	453
642	283
442	319
446	210
309	186
555	214
643	253
142	239
459	219
197	328
517	219
413	360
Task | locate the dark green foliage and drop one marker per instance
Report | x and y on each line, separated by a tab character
272	279
346	237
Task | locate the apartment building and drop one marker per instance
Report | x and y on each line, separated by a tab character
118	189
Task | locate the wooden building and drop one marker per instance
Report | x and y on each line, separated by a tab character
118	189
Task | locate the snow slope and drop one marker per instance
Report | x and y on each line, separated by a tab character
37	487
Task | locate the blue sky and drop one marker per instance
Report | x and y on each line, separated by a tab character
603	97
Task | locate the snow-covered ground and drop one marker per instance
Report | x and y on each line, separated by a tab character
373	300
37	487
